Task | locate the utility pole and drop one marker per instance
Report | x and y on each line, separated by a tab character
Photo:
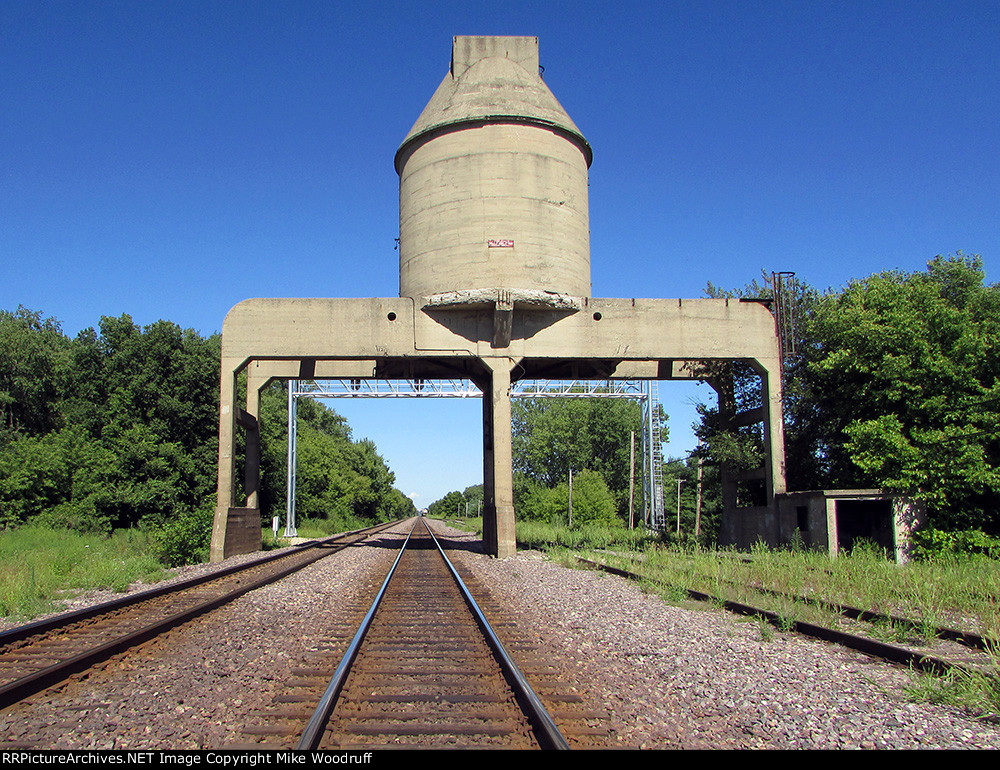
571	498
697	504
679	507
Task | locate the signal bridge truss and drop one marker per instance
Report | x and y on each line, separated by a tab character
643	391
368	388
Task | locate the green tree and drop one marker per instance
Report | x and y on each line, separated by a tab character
474	497
337	478
450	506
703	522
593	502
551	436
904	371
458	504
893	384
34	357
159	414
119	427
400	506
107	430
61	477
743	448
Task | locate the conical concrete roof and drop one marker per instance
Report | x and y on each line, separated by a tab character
494	89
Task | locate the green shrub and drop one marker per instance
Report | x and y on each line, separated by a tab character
935	544
185	539
593	502
323	527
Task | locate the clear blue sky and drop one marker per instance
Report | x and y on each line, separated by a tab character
167	159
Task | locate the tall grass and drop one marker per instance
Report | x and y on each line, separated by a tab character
592	537
975	692
40	566
586	537
316	528
956	591
961	592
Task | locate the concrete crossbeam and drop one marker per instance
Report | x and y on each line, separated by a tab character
296	338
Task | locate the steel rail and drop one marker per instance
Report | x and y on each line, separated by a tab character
313	734
18	633
942	632
883	650
545	726
19	689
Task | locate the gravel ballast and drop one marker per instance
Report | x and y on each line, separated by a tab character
667	677
706	679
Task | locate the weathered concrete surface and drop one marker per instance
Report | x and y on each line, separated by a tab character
310	338
493	180
494	286
814	517
617	329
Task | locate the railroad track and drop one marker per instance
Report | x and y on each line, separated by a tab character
424	668
41	654
969	653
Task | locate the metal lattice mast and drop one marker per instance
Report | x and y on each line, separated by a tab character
653	452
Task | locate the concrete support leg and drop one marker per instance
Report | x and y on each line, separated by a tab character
743	525
774	429
251	471
237	529
226	484
727	410
498	508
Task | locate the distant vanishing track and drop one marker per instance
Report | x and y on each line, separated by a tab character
426	670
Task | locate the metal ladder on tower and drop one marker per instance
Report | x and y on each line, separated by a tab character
652	458
656	446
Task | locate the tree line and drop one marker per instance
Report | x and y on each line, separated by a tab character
118	427
891	382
